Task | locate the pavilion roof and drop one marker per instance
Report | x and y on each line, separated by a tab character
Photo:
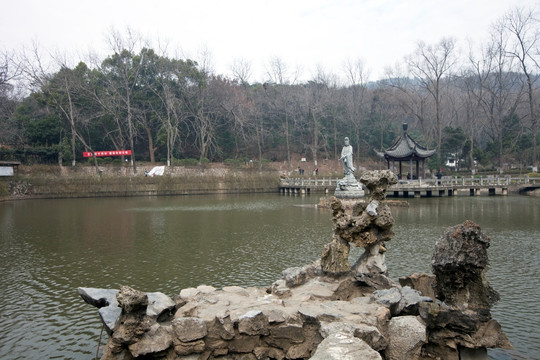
405	148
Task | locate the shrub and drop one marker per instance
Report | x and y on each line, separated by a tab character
188	162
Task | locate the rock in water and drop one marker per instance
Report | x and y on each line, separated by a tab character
459	263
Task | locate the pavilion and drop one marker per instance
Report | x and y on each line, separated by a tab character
406	149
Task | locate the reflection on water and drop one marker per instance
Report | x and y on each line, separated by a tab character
51	247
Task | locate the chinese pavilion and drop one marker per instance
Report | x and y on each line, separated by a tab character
405	149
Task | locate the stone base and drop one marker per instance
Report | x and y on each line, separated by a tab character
349	194
349	188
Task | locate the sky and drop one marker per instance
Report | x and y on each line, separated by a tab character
305	35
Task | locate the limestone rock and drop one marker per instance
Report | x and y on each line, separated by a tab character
189	329
98	297
131	300
400	301
390	298
335	257
294	276
159	305
459	263
344	346
424	283
253	322
378	182
109	316
156	340
406	336
372	336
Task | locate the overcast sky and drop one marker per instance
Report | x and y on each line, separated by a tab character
305	33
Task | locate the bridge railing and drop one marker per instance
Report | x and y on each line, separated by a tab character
484	181
309	182
445	181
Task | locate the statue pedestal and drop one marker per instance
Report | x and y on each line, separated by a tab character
349	188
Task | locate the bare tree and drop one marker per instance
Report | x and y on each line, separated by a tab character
498	88
9	72
357	77
123	71
429	65
524	40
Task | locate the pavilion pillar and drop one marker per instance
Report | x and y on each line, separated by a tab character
410	169
423	168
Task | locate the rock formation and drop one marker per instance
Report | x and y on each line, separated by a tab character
462	321
369	226
324	310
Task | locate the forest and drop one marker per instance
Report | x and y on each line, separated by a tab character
479	106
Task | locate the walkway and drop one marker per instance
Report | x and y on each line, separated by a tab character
448	185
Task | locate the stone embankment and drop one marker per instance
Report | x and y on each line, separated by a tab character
83	182
325	310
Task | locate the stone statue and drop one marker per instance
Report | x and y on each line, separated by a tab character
348	187
347	158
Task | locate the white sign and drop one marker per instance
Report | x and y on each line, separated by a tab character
6	170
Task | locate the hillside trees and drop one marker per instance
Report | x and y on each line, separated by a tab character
430	67
165	108
520	25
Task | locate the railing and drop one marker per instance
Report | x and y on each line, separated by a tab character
453	181
301	182
445	181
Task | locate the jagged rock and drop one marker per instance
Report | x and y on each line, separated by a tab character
378	182
463	320
410	300
253	322
221	328
109	316
372	261
390	298
459	263
369	227
473	354
280	288
105	301
156	340
424	283
400	301
372	336
187	348
189	329
159	305
98	297
109	354
268	353
406	336
131	300
294	276
335	256
344	346
375	281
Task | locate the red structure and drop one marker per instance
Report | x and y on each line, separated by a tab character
107	153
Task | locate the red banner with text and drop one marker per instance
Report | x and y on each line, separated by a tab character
107	153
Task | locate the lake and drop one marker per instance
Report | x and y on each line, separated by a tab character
51	247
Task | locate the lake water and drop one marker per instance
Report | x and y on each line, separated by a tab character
51	247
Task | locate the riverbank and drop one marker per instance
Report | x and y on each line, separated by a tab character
83	182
